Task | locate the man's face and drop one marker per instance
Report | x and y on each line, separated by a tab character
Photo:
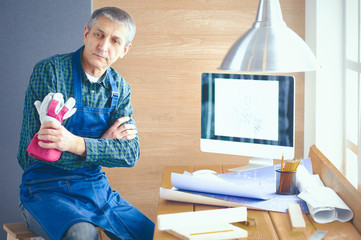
104	44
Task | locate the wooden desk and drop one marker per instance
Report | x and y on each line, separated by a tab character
269	225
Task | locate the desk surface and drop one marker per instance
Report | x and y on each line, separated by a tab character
269	225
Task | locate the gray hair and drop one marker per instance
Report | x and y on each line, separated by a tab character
116	15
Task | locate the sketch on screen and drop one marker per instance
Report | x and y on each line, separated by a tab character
246	109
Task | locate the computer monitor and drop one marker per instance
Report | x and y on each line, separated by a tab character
248	115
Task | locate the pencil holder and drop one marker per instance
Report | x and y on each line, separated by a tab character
285	182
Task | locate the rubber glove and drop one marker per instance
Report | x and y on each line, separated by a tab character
52	108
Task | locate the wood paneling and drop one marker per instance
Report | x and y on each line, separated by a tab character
176	41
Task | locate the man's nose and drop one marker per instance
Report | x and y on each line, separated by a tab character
103	45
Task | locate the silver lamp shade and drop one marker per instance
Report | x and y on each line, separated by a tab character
269	46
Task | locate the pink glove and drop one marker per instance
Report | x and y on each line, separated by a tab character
51	109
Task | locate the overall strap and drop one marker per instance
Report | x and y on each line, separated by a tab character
76	68
115	91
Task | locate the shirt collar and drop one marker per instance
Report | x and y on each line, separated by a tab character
103	80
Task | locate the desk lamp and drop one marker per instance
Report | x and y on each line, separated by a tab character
269	46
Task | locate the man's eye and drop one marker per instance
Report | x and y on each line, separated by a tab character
98	35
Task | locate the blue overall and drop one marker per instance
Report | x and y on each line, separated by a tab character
59	198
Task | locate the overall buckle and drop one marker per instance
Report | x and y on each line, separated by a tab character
116	94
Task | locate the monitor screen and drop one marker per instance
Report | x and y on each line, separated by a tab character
248	115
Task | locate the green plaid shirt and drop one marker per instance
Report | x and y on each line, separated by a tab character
55	75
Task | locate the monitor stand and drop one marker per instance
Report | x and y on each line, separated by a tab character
254	163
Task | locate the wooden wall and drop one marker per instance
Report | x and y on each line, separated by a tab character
176	41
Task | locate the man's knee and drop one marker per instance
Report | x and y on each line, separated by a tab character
81	231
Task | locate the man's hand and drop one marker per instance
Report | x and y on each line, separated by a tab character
120	130
54	135
53	109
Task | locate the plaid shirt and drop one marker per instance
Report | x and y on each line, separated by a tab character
55	75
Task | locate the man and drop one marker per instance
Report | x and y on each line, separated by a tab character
67	198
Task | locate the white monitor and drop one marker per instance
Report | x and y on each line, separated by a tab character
248	115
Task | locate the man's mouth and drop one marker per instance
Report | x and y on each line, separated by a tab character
100	56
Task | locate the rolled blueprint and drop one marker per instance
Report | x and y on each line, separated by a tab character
323	202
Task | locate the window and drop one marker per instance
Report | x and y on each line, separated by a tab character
333	93
352	87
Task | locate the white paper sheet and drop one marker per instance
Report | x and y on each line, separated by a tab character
323	203
205	224
211	232
202	218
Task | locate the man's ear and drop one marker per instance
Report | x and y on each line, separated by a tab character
86	32
126	50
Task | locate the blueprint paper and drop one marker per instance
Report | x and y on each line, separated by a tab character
277	203
189	197
256	183
265	176
251	189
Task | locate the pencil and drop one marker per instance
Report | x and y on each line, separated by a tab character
283	158
220	231
286	178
